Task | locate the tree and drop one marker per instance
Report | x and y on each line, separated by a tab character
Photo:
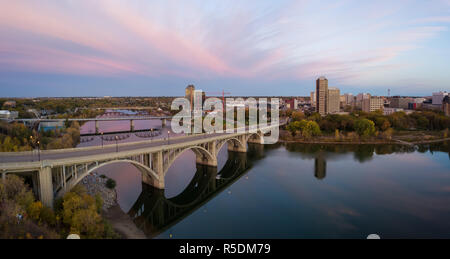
16	198
365	127
297	116
80	214
311	129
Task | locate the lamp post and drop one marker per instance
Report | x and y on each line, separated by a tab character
39	150
102	138
31	141
168	137
117	145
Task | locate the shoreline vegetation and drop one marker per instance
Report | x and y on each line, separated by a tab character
120	221
77	212
420	127
381	142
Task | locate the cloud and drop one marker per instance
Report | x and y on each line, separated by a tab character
255	40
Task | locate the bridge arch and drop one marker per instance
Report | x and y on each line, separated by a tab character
203	156
141	167
257	137
233	140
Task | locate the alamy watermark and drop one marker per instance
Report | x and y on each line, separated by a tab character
240	116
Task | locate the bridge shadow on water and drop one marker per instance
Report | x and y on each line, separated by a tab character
154	213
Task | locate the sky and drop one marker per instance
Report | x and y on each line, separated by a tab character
252	47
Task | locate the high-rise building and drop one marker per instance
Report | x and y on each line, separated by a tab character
333	100
190	94
372	104
321	95
348	99
446	105
313	99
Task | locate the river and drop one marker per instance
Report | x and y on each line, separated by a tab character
296	191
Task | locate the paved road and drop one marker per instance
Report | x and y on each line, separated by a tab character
107	149
33	156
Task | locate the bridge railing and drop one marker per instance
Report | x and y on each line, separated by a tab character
78	149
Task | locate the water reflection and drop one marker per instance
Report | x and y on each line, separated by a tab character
298	190
153	212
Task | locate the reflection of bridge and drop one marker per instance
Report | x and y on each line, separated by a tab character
60	170
154	213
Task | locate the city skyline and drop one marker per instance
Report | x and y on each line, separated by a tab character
256	48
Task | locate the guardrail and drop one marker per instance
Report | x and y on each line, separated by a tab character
78	149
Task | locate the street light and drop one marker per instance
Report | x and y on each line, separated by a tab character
102	138
168	137
31	141
39	150
117	145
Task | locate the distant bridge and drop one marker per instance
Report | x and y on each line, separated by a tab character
97	120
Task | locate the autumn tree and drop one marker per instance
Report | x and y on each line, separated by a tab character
365	127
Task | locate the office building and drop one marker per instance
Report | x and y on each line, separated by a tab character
446	105
438	98
313	99
372	104
334	100
400	102
190	89
321	95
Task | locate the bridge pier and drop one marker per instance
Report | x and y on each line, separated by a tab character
238	147
203	159
163	122
157	166
131	125
45	186
96	127
256	139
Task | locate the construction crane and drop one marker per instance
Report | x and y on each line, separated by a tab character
223	93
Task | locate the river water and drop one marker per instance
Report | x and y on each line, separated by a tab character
296	191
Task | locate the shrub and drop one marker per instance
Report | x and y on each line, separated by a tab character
110	183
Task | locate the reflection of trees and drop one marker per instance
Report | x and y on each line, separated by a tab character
361	153
364	153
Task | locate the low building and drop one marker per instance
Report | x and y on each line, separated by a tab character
290	104
390	110
372	104
51	125
430	106
11	104
414	106
8	115
400	102
438	98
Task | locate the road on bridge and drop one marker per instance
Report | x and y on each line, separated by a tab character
33	156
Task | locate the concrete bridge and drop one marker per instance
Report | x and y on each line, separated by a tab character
60	170
35	121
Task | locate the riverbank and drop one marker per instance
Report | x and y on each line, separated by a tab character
123	224
359	142
111	211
